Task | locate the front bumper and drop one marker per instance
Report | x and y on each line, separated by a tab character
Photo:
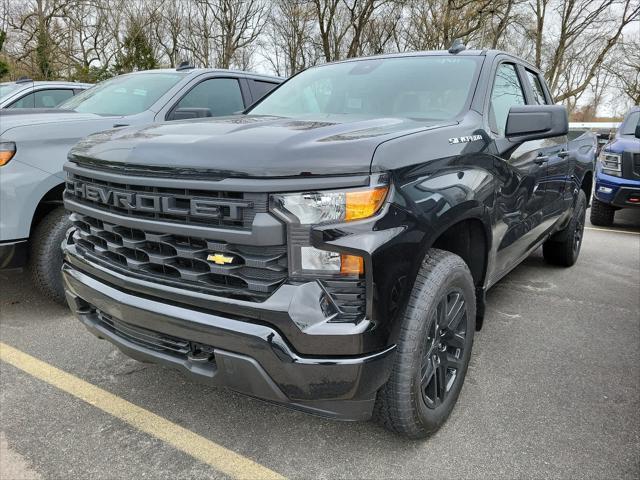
613	191
226	350
619	192
14	254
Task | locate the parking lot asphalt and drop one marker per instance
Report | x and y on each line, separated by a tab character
553	391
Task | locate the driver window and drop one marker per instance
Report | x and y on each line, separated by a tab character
221	96
507	92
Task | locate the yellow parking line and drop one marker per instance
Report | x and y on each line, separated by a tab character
218	457
612	230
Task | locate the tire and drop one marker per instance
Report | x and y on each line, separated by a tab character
564	247
601	213
411	402
45	259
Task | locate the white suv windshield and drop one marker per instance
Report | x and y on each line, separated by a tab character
123	95
420	88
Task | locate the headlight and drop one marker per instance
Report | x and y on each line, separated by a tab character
611	163
7	151
316	208
308	209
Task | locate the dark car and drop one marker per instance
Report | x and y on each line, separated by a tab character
330	249
618	172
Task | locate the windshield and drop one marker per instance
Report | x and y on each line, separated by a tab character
420	88
7	88
123	95
629	126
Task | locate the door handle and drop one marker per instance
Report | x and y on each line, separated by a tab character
563	153
540	159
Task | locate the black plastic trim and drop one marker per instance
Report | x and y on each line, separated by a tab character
231	184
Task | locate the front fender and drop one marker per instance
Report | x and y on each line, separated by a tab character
21	189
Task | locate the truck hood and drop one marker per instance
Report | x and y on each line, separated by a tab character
249	146
27	117
623	143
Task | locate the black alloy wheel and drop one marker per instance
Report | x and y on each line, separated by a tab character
442	360
437	323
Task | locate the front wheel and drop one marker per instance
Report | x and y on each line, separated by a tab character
433	348
601	213
46	254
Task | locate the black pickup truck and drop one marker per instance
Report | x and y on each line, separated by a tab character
330	249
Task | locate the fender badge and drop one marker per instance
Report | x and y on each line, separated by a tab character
469	138
219	259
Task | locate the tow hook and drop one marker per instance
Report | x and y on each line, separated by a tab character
200	353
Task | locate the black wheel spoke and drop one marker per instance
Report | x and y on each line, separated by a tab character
441	315
443	354
427	372
455	312
454	359
441	382
454	340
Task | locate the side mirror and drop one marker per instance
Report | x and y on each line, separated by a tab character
533	122
637	132
187	113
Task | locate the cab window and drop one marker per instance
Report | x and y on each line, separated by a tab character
51	98
220	96
507	92
25	102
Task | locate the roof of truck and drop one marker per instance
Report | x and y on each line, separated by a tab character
491	53
196	71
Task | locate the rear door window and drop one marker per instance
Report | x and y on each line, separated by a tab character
536	88
260	88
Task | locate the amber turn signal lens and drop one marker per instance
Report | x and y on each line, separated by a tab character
351	265
364	203
7	151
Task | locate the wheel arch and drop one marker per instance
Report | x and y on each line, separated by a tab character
50	201
586	185
469	237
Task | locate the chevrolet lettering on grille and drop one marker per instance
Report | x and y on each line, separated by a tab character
154	203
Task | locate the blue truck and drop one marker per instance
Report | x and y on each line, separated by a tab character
617	183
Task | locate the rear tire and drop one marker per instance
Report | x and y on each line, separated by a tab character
433	348
601	213
564	247
45	260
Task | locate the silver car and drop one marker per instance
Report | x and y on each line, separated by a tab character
25	93
34	147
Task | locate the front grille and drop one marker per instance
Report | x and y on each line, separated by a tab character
156	341
181	261
636	163
234	210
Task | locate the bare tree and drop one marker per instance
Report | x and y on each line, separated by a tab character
40	30
572	54
170	28
435	24
289	46
626	68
